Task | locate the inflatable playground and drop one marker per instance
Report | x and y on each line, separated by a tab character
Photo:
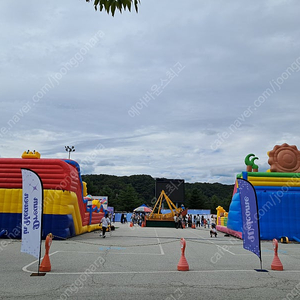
68	210
278	197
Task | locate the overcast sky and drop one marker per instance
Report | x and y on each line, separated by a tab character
183	89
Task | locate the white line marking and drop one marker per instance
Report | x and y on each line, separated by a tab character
164	272
220	247
25	268
159	244
224	249
120	253
200	237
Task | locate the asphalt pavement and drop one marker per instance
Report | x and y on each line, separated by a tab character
141	263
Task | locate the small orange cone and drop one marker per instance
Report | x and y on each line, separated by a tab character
183	264
45	266
276	263
131	224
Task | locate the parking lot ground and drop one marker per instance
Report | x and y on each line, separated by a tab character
141	263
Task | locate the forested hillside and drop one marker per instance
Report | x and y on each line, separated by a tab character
128	192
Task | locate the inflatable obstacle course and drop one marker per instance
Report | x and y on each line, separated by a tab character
66	212
278	196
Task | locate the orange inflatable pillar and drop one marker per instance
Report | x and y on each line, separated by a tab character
276	263
183	264
45	266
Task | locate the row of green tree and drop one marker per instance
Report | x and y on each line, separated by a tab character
128	192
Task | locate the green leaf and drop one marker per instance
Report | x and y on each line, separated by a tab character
119	5
113	8
107	5
136	2
110	6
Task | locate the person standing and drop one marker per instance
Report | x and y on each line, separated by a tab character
213	220
198	221
105	222
186	219
176	221
180	220
190	221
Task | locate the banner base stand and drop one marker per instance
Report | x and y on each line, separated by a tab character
38	274
260	270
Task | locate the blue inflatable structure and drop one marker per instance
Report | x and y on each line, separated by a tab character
278	196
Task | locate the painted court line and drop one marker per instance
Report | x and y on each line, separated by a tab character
224	249
25	267
159	272
110	252
159	244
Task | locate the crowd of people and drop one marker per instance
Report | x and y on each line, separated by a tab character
189	220
138	218
197	220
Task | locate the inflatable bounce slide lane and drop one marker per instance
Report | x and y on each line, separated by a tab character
278	196
65	212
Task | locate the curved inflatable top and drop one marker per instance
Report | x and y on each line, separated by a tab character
278	196
65	212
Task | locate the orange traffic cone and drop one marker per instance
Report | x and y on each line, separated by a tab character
45	266
276	263
131	224
183	264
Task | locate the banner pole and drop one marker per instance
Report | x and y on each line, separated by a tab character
260	263
42	214
41	220
250	217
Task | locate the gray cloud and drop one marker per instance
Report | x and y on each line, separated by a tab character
65	84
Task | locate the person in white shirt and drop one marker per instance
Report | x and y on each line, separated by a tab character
105	222
176	221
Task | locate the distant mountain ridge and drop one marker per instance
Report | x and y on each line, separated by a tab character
128	192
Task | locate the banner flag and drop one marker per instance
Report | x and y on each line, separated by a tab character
251	232
32	212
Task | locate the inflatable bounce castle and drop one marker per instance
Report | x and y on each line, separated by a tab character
68	210
278	196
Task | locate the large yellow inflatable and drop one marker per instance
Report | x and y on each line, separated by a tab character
66	213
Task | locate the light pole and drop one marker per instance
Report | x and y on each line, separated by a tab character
70	149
